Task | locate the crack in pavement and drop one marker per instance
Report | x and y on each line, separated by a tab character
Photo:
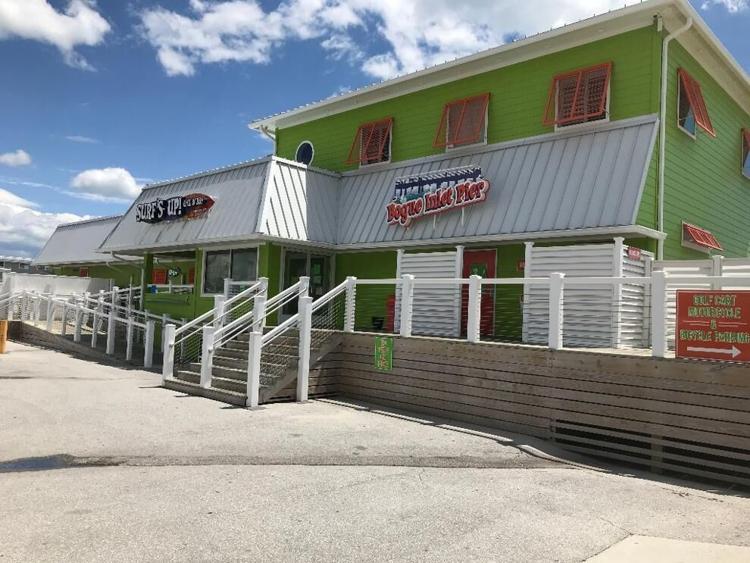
67	461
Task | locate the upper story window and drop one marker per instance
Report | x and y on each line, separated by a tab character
372	143
305	153
691	106
746	153
579	96
464	122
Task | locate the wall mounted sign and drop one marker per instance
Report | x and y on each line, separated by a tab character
714	325
428	194
634	253
189	206
383	353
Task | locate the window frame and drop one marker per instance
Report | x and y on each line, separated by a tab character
444	124
697	103
357	142
312	146
588	119
745	152
205	251
706	247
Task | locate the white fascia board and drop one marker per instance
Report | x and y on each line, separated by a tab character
632	231
191	244
700	42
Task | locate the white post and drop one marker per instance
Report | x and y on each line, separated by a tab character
259	313
207	356
617	272
148	345
556	310
50	311
304	286
78	319
659	314
37	308
305	340
407	296
64	319
167	366
129	340
253	367
219	311
474	313
351	303
528	254
226	288
111	331
717	269
11	306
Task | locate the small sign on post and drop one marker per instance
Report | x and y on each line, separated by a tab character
384	353
713	325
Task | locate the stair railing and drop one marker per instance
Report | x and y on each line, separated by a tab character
302	322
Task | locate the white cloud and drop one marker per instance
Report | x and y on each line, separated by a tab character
82	139
105	184
79	24
417	33
16	158
23	228
733	6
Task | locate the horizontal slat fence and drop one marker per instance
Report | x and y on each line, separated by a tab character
688	416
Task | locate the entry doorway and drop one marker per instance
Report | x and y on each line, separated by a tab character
299	263
480	263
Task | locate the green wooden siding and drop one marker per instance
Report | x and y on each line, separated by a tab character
517	103
703	181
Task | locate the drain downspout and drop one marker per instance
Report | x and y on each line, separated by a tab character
663	129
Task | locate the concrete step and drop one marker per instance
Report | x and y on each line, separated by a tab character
226	352
223	395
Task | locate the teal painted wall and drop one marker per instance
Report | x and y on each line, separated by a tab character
703	181
517	102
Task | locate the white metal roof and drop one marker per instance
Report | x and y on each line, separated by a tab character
699	41
77	243
576	182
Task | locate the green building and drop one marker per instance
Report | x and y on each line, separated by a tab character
628	128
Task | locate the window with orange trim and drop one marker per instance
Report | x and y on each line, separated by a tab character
579	96
693	236
372	143
691	105
463	122
746	153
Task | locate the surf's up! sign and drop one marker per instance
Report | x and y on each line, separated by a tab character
188	206
428	194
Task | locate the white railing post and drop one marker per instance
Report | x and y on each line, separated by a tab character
407	298
64	319
254	352
659	314
350	303
129	340
219	311
167	365
78	320
304	286
111	331
305	341
148	344
474	314
259	313
226	288
11	306
50	311
37	309
207	356
556	310
717	269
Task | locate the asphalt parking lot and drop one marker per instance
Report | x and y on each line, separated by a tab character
100	463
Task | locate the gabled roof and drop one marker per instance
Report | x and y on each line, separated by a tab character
77	243
699	41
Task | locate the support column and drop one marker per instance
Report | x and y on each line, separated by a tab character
305	341
556	310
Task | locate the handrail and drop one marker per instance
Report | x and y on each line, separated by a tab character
284	297
244	293
329	296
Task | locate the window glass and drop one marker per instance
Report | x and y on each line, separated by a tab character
217	268
243	264
305	152
686	115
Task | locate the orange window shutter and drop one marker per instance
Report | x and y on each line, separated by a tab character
159	276
371	142
462	121
695	98
579	95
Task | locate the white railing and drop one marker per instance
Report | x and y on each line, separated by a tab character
171	288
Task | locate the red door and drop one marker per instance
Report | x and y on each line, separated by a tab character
480	263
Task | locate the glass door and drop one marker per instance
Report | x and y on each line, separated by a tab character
295	266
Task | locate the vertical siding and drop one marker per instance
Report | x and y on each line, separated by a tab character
703	182
518	97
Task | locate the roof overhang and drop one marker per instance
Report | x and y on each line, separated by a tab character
699	41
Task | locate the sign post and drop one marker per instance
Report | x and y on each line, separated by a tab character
713	325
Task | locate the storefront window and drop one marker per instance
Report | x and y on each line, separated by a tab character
237	264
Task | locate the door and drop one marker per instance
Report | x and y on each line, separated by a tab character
320	268
295	266
480	263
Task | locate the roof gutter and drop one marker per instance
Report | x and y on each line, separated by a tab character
663	128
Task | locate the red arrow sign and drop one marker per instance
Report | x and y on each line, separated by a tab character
714	325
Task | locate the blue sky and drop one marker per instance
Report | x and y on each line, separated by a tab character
102	97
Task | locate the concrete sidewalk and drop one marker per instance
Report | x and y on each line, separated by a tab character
99	464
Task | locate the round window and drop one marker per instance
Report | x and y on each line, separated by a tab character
305	152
